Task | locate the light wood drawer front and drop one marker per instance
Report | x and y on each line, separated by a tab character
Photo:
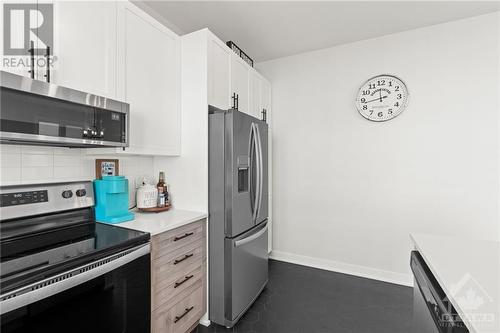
177	238
165	295
170	267
180	317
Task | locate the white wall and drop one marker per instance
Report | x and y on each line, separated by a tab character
40	164
347	191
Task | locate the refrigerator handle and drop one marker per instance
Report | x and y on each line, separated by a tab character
252	147
260	178
250	238
257	172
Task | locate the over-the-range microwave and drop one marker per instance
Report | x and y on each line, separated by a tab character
39	113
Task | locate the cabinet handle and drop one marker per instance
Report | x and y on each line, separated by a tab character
187	234
47	64
264	115
187	278
177	261
237	102
32	59
177	318
233	97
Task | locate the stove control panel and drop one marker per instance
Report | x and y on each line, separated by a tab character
23	198
44	198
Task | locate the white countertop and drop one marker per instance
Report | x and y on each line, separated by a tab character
156	223
469	273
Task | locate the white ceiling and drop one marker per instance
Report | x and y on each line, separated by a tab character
271	29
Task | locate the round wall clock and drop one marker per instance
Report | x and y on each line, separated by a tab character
382	98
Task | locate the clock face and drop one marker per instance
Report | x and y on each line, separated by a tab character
382	98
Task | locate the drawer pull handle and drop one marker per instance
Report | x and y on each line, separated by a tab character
187	234
185	280
177	318
181	260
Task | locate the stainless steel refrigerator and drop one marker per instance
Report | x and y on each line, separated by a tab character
238	212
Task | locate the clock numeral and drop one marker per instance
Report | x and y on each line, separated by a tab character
390	83
397	88
363	100
371	86
399	96
380	114
371	112
390	111
366	92
365	107
381	83
397	104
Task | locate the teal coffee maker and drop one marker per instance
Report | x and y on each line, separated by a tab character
111	196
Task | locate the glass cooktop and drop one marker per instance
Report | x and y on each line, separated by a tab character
40	247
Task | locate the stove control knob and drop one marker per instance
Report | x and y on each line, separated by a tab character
81	192
67	194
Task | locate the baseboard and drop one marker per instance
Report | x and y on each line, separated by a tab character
205	321
340	267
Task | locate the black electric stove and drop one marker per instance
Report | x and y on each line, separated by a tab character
53	253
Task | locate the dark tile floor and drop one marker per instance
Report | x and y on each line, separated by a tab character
301	299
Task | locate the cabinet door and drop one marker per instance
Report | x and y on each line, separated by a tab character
265	87
85	46
219	74
149	79
255	94
240	82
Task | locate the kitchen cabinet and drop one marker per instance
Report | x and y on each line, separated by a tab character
240	82
148	77
85	46
265	104
219	73
255	94
178	278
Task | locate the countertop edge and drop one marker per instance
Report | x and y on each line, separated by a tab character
157	228
449	295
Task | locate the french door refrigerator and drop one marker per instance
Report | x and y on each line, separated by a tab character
238	212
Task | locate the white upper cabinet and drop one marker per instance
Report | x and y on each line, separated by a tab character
255	95
149	79
240	82
85	46
265	97
219	73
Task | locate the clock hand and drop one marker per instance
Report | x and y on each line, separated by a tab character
380	94
376	99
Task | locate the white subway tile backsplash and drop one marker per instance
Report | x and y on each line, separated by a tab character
36	160
67	173
37	150
37	174
67	151
10	160
10	149
67	161
10	175
35	164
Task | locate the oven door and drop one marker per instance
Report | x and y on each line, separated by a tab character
111	295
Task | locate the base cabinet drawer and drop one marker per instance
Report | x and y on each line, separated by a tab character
173	240
165	295
171	267
180	317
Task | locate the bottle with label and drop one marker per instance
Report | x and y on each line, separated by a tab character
162	190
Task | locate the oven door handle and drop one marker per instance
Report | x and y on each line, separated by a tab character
58	283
